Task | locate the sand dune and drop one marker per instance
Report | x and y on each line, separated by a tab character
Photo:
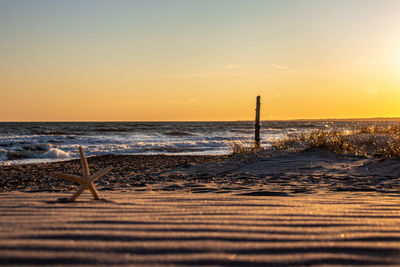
205	229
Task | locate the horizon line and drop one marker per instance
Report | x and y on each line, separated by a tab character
303	119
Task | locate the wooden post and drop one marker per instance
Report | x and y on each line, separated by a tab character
257	139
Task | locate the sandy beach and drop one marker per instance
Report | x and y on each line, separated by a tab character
276	209
307	171
170	228
200	133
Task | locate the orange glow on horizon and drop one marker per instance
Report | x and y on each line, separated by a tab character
159	61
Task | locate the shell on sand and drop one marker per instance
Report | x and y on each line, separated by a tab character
86	181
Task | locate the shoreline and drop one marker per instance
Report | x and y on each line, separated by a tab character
127	169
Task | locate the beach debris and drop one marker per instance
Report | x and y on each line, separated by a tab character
86	181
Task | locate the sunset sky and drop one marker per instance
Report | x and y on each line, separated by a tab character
198	59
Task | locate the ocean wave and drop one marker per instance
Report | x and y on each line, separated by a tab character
33	151
178	133
40	132
242	131
23	142
37	147
3	155
55	153
111	130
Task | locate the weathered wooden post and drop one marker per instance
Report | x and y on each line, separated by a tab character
257	139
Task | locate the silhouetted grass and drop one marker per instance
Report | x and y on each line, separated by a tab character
378	129
238	147
379	140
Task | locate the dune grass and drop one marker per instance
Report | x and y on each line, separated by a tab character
380	140
377	140
379	129
242	148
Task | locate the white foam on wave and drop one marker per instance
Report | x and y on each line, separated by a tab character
55	153
166	138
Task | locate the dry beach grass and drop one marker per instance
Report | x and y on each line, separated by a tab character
378	140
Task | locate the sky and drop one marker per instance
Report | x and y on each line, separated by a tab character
198	60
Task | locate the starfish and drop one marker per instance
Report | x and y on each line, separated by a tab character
86	181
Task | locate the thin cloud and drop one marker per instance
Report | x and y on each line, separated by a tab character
278	66
291	70
232	66
241	70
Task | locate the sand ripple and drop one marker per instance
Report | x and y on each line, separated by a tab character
208	229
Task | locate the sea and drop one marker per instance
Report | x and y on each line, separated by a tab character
34	142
